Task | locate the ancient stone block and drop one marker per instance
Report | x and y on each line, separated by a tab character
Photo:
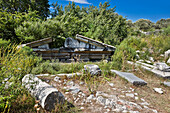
130	77
163	67
48	95
92	69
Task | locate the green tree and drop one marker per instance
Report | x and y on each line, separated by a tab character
9	22
100	23
13	6
144	24
57	10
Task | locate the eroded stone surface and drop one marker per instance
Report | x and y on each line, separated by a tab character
151	68
92	69
167	84
167	54
70	75
48	95
158	90
163	67
130	77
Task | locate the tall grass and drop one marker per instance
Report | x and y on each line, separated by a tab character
14	64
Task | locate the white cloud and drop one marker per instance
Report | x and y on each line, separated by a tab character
80	1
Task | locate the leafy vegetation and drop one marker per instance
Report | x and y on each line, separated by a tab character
127	50
14	64
101	23
26	6
10	21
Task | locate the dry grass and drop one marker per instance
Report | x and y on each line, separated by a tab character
160	102
24	103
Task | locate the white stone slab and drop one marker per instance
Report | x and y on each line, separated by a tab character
130	77
152	69
69	75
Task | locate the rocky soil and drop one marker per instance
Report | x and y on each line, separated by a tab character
109	97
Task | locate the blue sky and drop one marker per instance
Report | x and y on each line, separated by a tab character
132	9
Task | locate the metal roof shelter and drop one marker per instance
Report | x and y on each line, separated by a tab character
93	42
81	48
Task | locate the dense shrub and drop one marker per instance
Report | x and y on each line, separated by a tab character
31	31
167	30
158	44
14	64
127	51
10	21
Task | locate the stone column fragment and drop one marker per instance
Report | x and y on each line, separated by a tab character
48	95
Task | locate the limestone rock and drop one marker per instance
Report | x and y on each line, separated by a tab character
151	59
163	67
167	84
48	95
158	90
69	75
70	83
42	75
136	98
107	102
129	95
167	54
168	61
101	100
82	108
57	78
111	84
90	97
74	90
92	69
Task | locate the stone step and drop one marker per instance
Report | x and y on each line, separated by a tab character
130	77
